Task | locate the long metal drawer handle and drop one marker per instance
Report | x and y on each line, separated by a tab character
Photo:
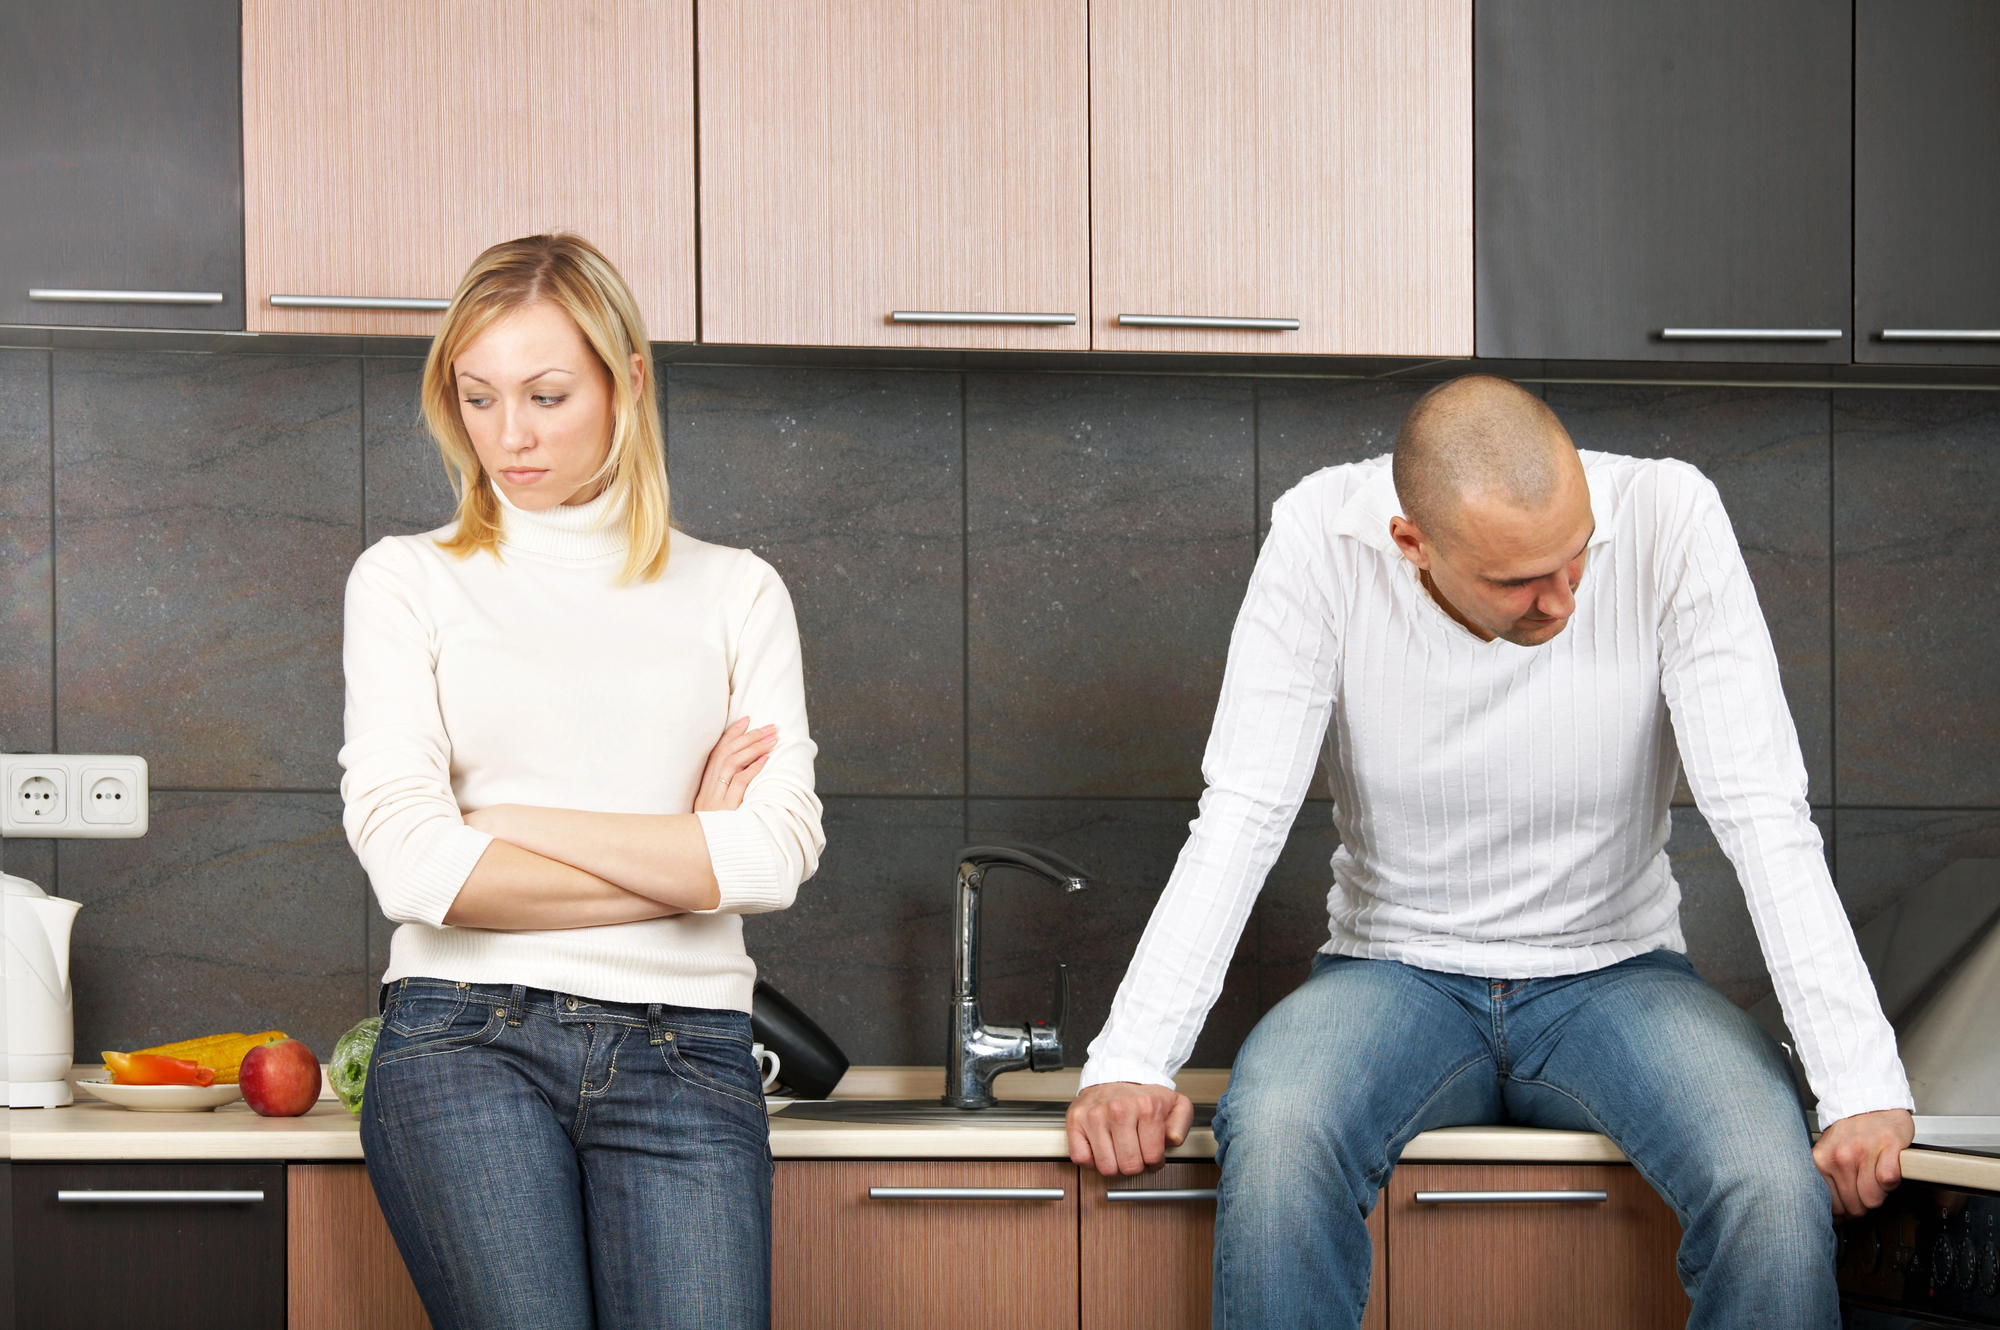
1205	321
966	1193
1751	334
1940	334
65	294
357	302
977	316
1465	1197
160	1197
1162	1194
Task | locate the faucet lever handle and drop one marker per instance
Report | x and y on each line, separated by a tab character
1045	1038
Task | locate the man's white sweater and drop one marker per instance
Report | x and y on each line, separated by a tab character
537	678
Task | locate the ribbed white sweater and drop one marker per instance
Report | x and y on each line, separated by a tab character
1503	810
536	678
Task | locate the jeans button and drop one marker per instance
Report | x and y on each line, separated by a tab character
570	1003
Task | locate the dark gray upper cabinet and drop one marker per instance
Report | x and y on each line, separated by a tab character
121	167
1927	181
1642	166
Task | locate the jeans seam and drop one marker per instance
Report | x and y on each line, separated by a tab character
1376	1177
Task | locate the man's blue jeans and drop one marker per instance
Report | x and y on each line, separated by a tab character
547	1162
1337	1078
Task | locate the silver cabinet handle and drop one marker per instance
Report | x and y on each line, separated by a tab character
978	316
1490	1197
1205	321
966	1193
160	1197
1751	334
1940	334
1161	1194
357	302
64	294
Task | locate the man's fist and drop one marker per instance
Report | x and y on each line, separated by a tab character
1123	1127
1860	1157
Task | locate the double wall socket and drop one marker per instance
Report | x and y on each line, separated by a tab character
51	794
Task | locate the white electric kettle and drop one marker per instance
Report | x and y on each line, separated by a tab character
41	1028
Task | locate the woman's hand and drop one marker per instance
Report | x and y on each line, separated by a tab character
738	756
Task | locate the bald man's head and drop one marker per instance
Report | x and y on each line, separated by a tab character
1478	437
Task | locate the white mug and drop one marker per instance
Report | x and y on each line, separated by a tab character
770	1073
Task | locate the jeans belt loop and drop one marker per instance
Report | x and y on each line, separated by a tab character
515	999
653	1031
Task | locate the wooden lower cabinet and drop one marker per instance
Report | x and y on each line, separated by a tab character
343	1269
1531	1266
841	1259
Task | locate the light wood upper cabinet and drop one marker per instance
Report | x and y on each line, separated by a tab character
1271	159
387	142
865	157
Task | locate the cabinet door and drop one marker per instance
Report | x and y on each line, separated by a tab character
862	159
841	1258
1265	159
1546	1265
1927	181
387	142
208	1256
1646	167
119	166
1148	1259
344	1271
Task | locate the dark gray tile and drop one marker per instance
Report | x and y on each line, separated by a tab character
1291	918
1917	484
848	482
1130	847
235	912
1767	451
27	612
1304	425
1109	534
34	860
408	489
866	949
1721	942
207	511
1883	853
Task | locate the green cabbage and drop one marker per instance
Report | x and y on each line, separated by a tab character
349	1069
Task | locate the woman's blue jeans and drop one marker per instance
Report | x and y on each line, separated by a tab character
549	1162
1337	1078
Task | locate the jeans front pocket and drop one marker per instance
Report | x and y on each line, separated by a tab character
434	1024
422	1007
717	1063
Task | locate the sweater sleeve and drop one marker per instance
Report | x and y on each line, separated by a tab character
763	850
1277	696
401	816
1719	673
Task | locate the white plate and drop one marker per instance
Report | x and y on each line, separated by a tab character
163	1098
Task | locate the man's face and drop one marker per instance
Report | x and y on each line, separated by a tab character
1507	572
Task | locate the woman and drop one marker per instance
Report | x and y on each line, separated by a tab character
563	1121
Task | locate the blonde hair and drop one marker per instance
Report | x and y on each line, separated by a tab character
566	271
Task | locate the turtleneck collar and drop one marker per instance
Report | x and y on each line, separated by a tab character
571	534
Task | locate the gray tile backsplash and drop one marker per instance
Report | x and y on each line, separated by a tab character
1015	592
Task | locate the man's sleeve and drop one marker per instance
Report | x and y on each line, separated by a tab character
1277	693
1741	752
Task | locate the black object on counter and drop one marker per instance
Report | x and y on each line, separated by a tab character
809	1063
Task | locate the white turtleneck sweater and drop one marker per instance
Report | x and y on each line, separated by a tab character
537	678
1503	810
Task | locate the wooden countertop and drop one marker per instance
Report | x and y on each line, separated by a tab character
91	1130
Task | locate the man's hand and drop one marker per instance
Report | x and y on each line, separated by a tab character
1860	1157
1123	1127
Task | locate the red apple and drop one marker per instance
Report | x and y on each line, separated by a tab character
281	1079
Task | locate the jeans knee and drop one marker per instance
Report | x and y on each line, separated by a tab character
1775	1204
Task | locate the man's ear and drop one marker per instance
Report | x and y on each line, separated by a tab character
1411	540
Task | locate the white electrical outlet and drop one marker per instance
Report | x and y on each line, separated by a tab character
53	794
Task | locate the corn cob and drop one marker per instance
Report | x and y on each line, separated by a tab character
185	1048
224	1053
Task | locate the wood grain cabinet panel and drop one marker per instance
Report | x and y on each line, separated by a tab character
1532	1266
343	1271
841	1260
1148	1265
864	157
1270	159
387	142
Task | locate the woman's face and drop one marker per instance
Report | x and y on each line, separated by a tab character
536	402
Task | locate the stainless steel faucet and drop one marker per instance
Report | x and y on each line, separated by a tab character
977	1052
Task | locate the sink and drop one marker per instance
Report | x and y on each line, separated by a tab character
931	1113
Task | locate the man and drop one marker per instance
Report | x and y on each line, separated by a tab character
1494	642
